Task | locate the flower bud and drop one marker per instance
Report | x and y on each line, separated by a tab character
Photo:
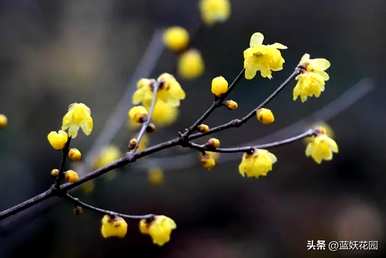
71	176
213	143
57	140
231	104
219	86
151	128
203	128
55	172
190	64
265	116
133	143
74	154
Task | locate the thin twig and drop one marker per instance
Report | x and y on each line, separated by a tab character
156	84
285	141
60	176
244	119
85	205
218	101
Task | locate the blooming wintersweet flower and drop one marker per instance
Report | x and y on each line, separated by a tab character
214	11
159	228
170	91
58	139
209	159
256	164
312	78
321	147
176	38
137	114
263	58
190	64
113	226
78	116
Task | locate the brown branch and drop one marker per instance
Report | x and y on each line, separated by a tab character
60	176
85	205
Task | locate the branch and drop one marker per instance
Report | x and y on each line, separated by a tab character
204	147
60	176
218	101
142	131
244	119
80	203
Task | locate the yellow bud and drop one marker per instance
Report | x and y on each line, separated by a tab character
144	226
113	227
71	176
190	64
133	143
155	176
74	154
213	143
77	210
138	114
3	120
151	128
55	172
219	86
176	38
57	140
231	104
203	128
265	116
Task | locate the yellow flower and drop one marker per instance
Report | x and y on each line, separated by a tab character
263	58
3	120
259	163
219	86
106	156
170	91
164	114
113	226
160	229
265	116
176	38
155	176
71	176
312	79
190	64
137	114
213	11
209	159
321	148
58	139
74	154
78	116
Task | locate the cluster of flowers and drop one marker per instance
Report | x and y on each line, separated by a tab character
311	77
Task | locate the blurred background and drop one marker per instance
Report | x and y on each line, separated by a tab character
53	53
